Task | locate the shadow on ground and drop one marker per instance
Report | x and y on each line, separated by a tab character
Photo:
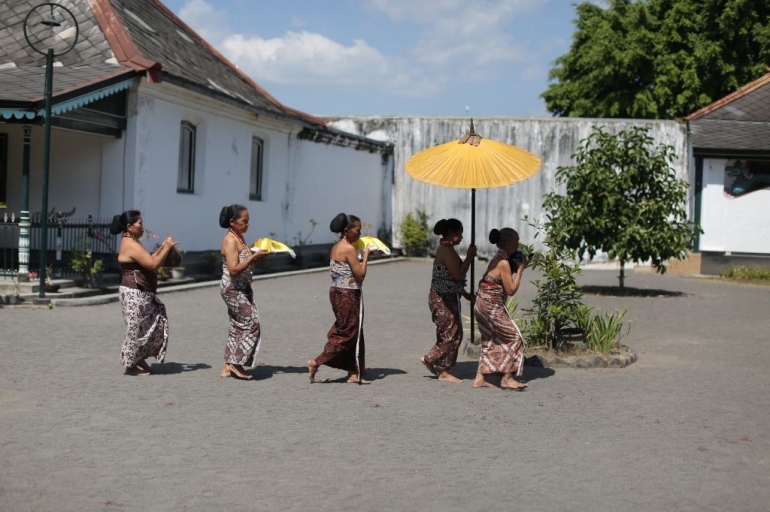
263	372
467	370
174	368
614	291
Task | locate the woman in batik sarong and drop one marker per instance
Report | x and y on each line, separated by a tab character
447	286
243	338
143	312
344	349
502	348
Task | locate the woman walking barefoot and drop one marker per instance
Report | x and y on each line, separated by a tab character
502	349
345	346
244	338
144	314
446	287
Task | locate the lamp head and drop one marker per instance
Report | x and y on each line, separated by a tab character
50	20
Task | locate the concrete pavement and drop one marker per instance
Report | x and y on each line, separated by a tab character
684	428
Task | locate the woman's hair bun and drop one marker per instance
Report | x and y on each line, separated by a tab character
339	223
439	228
116	226
224	217
494	236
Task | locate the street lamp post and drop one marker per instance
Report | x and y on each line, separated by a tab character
51	22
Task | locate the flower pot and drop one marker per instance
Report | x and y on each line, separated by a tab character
177	272
52	288
96	280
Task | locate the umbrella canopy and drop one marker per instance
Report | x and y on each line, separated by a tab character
473	162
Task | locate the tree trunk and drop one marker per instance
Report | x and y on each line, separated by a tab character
622	276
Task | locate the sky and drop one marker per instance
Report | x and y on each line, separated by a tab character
392	57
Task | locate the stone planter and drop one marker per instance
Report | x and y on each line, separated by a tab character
177	272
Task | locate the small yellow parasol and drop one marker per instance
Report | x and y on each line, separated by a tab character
270	245
473	162
372	243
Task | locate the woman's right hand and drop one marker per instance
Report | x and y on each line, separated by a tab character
471	251
170	242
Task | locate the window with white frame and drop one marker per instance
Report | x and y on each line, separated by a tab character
186	178
257	157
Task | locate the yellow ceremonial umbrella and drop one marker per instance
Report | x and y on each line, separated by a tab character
473	162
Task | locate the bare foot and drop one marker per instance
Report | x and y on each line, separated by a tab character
448	377
237	371
312	367
513	384
480	382
144	366
353	379
225	371
135	370
430	367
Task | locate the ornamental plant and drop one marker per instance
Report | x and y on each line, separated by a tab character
622	198
414	233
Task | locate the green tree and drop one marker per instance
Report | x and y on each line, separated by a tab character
658	59
623	198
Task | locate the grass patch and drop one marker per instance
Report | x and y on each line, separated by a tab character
747	274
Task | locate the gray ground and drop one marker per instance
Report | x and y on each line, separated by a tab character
685	428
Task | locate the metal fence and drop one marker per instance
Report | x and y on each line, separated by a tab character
66	238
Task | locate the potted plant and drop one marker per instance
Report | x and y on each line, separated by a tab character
162	274
212	260
177	271
50	287
90	271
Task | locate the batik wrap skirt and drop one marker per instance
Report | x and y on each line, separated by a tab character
502	348
244	334
146	326
445	312
344	349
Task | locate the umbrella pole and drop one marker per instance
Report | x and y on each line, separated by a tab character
473	264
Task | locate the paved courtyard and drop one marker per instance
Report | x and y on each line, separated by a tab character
686	428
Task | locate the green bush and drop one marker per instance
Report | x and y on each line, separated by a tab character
746	273
414	233
557	303
604	332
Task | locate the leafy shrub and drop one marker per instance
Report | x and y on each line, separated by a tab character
558	298
606	331
414	233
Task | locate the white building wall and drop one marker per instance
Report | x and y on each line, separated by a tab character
732	224
332	179
301	178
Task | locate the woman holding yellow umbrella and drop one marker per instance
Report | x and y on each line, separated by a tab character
447	285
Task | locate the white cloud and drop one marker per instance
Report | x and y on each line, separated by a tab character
307	58
472	32
209	23
463	40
